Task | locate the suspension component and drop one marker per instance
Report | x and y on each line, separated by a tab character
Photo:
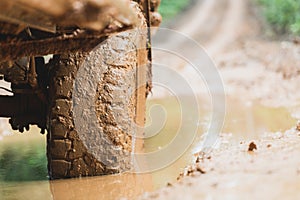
23	110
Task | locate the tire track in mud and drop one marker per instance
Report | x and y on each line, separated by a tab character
215	24
228	30
197	16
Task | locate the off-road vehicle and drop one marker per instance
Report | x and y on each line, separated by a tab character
43	47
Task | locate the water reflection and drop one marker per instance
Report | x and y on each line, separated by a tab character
106	187
25	190
245	120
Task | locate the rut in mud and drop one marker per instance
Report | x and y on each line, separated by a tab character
245	58
254	69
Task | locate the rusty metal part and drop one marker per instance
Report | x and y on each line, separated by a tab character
8	28
55	45
16	71
145	7
23	110
24	78
32	75
150	8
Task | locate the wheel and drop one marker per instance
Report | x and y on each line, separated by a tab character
75	146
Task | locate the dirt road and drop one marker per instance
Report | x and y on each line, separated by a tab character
253	68
233	34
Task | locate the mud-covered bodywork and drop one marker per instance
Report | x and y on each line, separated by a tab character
36	23
33	24
68	32
47	15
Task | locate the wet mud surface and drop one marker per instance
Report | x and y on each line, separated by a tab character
257	155
246	163
133	186
232	172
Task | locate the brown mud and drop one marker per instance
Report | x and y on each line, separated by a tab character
263	164
232	172
261	79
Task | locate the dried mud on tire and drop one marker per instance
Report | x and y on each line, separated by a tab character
68	154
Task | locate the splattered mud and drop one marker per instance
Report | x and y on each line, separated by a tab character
252	146
248	163
132	186
261	79
270	172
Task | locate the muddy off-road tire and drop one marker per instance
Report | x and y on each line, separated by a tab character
119	104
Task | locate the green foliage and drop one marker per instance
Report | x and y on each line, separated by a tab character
170	8
283	15
22	163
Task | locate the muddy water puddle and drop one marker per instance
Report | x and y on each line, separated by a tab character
165	124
